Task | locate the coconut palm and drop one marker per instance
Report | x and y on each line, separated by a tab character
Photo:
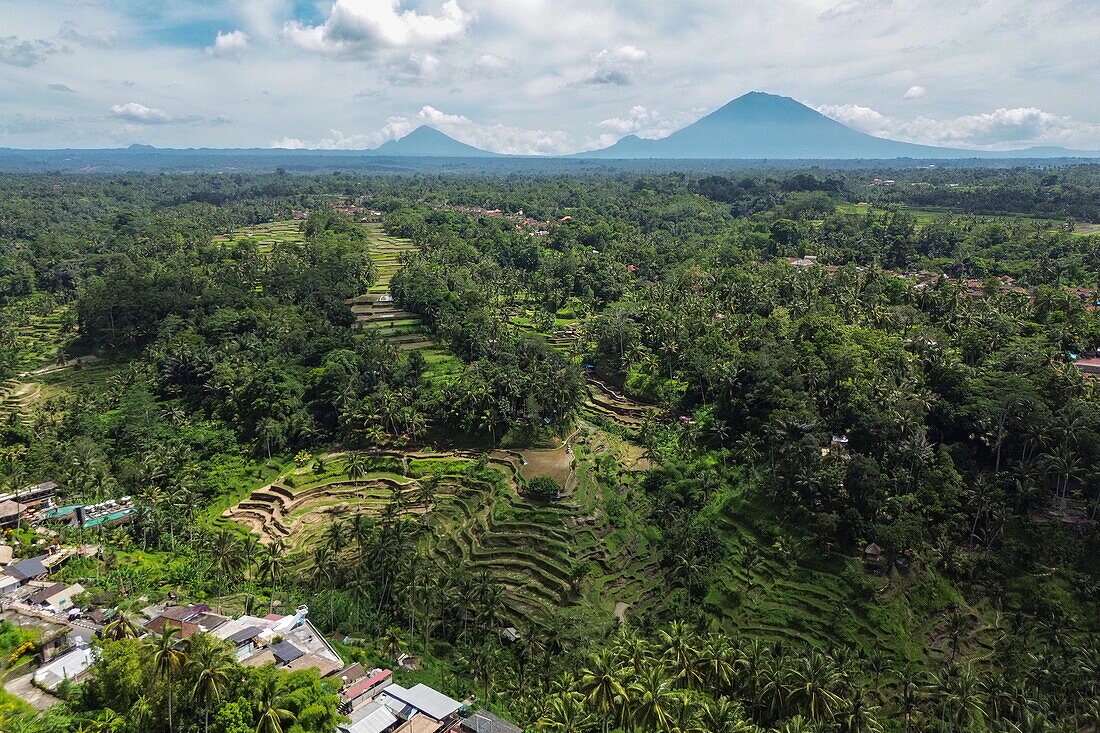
167	662
272	715
651	699
121	627
565	713
211	665
814	684
601	684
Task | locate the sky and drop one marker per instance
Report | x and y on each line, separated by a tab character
538	76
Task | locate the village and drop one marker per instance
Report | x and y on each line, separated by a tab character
66	619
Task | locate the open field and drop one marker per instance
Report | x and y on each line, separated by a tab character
924	216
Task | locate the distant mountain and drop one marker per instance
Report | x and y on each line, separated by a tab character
758	125
428	141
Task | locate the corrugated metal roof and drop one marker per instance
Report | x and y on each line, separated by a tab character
425	699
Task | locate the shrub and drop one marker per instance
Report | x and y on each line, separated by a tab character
543	487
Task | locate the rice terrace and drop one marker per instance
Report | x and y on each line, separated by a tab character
362	371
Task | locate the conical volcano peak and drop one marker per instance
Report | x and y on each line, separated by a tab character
428	141
764	107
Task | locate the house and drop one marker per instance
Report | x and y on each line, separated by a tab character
6	554
485	722
873	556
27	570
288	642
1088	366
71	665
189	620
350	674
56	597
376	717
425	709
366	689
10	512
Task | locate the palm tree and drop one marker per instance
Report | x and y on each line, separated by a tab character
679	644
121	627
600	683
565	713
815	680
356	465
727	716
167	662
269	707
650	699
211	666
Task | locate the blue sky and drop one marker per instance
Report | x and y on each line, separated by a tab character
538	76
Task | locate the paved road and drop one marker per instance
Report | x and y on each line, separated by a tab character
21	687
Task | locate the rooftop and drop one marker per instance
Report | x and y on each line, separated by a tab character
424	699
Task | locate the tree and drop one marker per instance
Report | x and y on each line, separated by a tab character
167	662
210	666
600	683
272	714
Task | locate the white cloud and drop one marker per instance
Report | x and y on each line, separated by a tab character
999	129
60	88
142	115
362	27
489	64
914	92
614	66
228	44
497	138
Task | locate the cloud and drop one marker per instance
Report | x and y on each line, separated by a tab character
638	119
498	138
61	88
614	66
914	92
16	51
362	27
88	39
142	115
489	64
228	44
853	7
999	129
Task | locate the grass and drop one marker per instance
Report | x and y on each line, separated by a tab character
926	215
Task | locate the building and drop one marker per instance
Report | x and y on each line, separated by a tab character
27	570
289	642
56	597
422	709
72	665
1089	366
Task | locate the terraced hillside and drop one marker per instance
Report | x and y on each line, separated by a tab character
606	402
44	368
533	549
266	235
375	310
